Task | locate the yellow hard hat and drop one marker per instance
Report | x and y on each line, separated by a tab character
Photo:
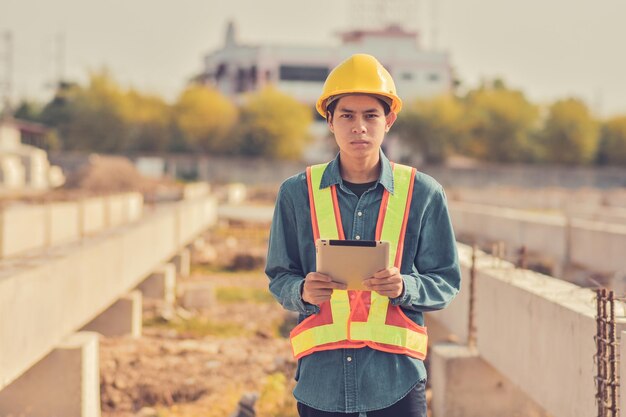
361	73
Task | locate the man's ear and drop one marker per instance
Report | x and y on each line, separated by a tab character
329	121
390	119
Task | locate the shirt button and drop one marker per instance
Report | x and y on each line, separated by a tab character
349	358
357	237
360	213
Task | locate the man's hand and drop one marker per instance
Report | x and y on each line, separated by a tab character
387	282
319	287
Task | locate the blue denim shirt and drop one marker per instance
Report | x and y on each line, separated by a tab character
359	380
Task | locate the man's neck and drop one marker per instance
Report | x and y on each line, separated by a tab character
359	171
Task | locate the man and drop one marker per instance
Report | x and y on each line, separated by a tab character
362	351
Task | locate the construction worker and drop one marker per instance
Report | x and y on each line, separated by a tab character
362	351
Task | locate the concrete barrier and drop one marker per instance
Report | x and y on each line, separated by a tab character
600	245
63	223
44	299
597	246
25	227
536	330
22	228
539	232
92	216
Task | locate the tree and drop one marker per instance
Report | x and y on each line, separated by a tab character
94	117
612	144
206	118
432	127
150	122
273	124
28	110
570	134
500	124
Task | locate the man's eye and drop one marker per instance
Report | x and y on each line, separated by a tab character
346	116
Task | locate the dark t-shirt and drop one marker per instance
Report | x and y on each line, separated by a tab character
358	189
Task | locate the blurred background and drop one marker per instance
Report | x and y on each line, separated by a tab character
154	121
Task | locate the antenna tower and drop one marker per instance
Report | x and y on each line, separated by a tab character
378	14
6	61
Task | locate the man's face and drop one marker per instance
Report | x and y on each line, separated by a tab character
359	124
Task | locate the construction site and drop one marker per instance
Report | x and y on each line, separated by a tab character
154	303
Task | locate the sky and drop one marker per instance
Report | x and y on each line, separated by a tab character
550	49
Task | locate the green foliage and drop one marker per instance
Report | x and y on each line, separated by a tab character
150	122
243	295
28	110
612	145
206	118
432	127
275	399
570	134
103	117
500	124
273	124
200	327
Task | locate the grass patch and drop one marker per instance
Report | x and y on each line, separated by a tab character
275	399
198	269
243	295
200	327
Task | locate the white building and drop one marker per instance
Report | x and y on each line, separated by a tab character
300	71
24	167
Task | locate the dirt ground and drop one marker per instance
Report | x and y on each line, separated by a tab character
201	362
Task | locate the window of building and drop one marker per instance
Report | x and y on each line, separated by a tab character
433	77
302	73
406	76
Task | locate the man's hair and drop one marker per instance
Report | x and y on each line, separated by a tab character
331	107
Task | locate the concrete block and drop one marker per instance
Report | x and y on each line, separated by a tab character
22	228
197	294
237	193
12	173
161	284
116	210
63	223
134	207
182	262
92	215
464	385
599	246
123	318
64	383
196	190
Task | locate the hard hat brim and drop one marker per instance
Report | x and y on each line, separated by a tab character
322	102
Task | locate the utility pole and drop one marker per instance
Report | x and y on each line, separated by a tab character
60	58
6	61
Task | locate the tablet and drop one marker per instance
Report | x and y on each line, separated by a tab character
351	261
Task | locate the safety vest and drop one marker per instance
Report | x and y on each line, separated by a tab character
355	319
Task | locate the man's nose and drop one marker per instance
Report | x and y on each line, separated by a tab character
359	125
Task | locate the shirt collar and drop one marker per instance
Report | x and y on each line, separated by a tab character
332	175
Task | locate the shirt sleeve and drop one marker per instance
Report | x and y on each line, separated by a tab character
284	267
437	278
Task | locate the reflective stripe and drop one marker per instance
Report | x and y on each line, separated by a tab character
394	214
324	207
329	333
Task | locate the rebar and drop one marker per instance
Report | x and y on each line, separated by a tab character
471	333
613	382
521	260
600	352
